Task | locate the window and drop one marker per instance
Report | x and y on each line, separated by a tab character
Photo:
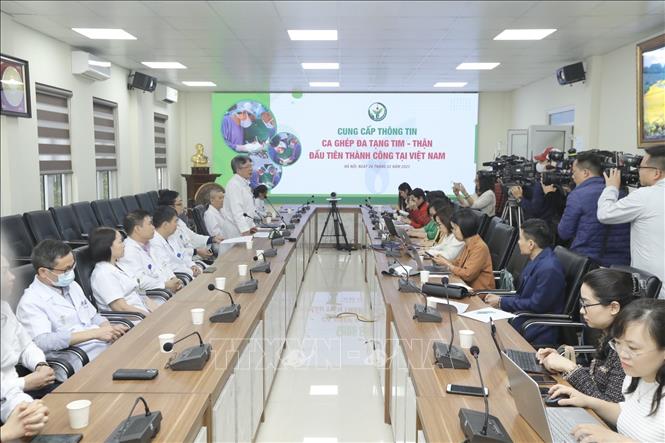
105	152
55	158
160	151
563	116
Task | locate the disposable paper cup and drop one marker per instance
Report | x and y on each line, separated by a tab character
163	339
249	244
79	413
220	283
259	254
466	338
242	270
197	316
268	219
424	277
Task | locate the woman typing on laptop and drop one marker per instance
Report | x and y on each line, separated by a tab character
639	340
604	293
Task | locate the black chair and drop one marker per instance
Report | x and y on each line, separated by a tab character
119	209
17	238
483	221
154	196
67	224
501	244
489	230
145	202
104	214
85	216
650	285
131	204
198	212
42	226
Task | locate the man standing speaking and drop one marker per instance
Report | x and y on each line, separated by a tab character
239	199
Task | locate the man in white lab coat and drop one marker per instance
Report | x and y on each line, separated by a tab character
165	220
239	199
139	261
54	310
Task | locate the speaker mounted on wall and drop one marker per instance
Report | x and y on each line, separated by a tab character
571	74
138	80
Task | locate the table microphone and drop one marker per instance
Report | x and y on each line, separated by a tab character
447	355
248	286
405	285
226	314
481	427
191	359
288	225
263	267
137	428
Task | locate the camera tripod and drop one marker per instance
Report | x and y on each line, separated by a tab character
338	227
512	206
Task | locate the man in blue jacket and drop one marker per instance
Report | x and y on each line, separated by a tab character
605	244
542	282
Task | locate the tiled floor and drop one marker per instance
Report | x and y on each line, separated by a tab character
325	390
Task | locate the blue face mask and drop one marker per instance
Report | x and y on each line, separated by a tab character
65	279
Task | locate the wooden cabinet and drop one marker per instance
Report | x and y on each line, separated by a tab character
403	411
194	181
257	361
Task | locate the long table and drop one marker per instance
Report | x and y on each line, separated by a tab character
415	395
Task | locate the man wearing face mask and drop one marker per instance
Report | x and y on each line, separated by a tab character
54	310
546	202
261	129
234	125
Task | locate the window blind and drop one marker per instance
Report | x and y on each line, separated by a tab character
160	140
55	155
104	121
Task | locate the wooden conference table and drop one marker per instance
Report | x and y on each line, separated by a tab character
233	387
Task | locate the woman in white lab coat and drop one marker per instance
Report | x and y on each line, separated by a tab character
112	287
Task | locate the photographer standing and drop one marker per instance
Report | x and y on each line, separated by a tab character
605	244
644	209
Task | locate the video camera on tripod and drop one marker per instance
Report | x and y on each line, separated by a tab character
512	170
560	173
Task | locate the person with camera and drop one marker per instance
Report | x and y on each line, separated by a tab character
605	244
484	199
644	209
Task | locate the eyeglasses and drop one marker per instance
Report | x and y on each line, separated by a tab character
646	167
584	306
620	348
71	268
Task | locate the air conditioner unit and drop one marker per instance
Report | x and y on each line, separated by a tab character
89	66
166	94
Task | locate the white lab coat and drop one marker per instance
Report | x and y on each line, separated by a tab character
167	256
110	283
17	347
214	221
189	238
12	396
50	317
143	266
260	207
238	200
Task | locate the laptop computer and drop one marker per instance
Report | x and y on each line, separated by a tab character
553	425
525	359
390	225
434	269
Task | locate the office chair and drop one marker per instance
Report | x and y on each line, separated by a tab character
105	215
650	285
491	226
483	221
17	238
154	196
131	204
67	224
145	202
198	212
501	244
42	226
86	217
119	209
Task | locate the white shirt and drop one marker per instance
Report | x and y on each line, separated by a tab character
486	202
260	207
110	283
214	221
50	315
634	420
238	201
12	396
17	347
167	256
189	238
448	248
142	265
644	209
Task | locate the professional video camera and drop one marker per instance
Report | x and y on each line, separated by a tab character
513	170
561	172
627	164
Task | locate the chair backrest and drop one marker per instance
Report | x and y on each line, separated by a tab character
104	213
501	245
66	222
41	225
83	271
119	209
575	266
16	236
649	283
85	216
145	202
198	212
516	263
23	275
483	221
489	231
154	196
131	203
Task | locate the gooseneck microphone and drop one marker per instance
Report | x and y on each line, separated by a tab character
226	314
447	355
405	285
481	427
169	346
248	286
143	427
263	267
191	359
287	225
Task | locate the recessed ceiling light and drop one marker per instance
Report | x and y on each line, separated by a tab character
320	65
164	65
449	84
312	34
323	390
198	83
105	34
524	34
477	66
324	84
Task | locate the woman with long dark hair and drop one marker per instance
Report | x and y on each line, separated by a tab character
484	198
403	192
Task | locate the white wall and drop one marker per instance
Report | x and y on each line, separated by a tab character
494	119
50	63
196	127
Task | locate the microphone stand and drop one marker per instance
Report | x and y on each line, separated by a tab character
248	286
404	284
288	225
191	359
447	355
226	314
264	267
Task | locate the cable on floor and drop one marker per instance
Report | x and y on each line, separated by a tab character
359	317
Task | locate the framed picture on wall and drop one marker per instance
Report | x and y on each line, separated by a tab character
15	86
651	92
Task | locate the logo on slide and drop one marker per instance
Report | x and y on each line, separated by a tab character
377	111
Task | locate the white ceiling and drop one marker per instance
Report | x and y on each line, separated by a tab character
382	46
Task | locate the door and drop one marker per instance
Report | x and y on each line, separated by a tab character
540	137
518	142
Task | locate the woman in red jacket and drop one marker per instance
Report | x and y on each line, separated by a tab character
419	216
